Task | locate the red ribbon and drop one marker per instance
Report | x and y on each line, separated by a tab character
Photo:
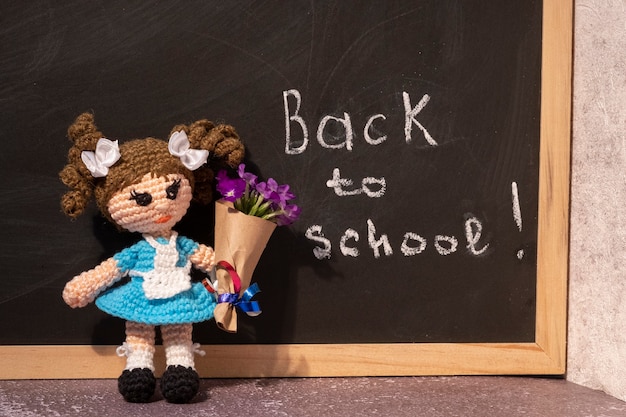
207	284
233	274
244	302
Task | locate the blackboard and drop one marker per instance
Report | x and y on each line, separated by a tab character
427	143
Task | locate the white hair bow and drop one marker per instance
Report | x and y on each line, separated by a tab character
191	158
107	153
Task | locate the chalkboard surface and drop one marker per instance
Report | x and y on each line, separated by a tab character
409	130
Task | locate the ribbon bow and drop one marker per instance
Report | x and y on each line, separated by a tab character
243	302
179	146
107	153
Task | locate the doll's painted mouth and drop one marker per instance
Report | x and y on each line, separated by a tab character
163	219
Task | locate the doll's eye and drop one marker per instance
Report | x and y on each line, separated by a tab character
172	190
142	199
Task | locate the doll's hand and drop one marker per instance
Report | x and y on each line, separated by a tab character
203	258
74	295
84	288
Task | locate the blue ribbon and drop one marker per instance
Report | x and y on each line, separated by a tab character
244	303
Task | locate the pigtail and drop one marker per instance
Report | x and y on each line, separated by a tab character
225	147
84	135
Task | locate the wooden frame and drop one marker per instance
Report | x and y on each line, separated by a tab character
547	355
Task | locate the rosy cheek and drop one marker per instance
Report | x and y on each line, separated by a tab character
126	213
128	216
183	200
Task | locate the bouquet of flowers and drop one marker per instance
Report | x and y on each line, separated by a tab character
245	218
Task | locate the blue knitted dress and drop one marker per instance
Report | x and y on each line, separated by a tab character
160	300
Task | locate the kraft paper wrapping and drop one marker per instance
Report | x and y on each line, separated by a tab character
239	240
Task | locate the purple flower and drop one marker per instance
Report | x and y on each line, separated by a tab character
279	194
230	188
267	200
248	177
290	214
269	190
284	193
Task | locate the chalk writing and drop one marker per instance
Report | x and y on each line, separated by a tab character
345	141
315	234
375	243
412	250
442	249
412	243
345	249
350	245
409	119
473	232
517	214
289	150
339	184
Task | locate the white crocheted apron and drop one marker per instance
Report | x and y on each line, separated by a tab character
166	279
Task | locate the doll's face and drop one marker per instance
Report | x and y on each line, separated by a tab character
153	205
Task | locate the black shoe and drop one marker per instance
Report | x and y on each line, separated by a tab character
137	385
179	384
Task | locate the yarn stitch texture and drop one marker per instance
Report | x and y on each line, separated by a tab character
129	301
166	279
147	172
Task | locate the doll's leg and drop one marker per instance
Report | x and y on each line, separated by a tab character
180	381
137	382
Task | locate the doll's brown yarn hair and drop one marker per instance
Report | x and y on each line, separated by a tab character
140	157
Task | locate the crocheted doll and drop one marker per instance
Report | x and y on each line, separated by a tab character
146	186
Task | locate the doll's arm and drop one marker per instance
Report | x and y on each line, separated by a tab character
84	288
203	258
